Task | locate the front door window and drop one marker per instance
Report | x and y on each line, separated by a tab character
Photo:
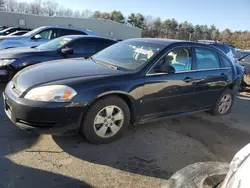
179	59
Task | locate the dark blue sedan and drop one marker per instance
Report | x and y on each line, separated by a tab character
131	82
73	46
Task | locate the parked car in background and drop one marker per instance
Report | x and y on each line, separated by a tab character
130	82
238	174
40	36
10	30
194	175
240	54
245	61
72	46
18	33
2	28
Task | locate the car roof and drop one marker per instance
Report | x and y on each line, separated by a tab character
8	28
158	40
86	36
88	31
168	42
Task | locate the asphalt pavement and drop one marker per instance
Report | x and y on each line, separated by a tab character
146	156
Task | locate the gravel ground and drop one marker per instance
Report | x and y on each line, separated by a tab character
146	156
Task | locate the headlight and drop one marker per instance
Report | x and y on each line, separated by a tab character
4	62
52	93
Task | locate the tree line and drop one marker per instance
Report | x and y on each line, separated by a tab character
151	27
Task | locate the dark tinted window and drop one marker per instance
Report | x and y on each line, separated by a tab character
206	59
226	62
20	33
103	43
83	46
64	32
10	31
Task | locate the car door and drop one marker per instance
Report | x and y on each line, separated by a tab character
211	77
170	93
44	36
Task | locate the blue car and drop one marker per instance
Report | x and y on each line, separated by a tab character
40	36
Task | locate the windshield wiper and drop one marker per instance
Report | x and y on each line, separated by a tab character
107	65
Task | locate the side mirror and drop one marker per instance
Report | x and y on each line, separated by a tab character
165	69
67	51
37	37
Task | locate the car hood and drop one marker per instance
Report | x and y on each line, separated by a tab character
59	70
21	52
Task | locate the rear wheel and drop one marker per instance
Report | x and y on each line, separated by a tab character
106	120
224	104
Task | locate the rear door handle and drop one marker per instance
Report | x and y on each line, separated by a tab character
188	79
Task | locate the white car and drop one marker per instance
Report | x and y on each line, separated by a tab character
194	175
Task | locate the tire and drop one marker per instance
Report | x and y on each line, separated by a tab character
216	111
90	127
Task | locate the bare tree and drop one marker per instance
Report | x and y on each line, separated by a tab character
10	5
23	7
35	7
77	14
68	13
60	11
2	4
87	13
50	7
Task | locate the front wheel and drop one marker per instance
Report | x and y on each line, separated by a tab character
224	104
106	120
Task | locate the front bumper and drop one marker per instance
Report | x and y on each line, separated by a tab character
42	117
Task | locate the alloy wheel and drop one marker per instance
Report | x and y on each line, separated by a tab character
108	121
225	104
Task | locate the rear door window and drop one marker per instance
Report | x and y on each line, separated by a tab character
206	59
103	43
64	32
83	46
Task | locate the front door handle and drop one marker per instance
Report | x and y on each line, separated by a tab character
188	79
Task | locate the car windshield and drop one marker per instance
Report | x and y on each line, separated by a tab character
240	54
55	44
32	32
4	30
130	54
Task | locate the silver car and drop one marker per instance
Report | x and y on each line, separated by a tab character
40	35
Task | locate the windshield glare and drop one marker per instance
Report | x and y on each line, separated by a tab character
32	32
55	44
129	54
